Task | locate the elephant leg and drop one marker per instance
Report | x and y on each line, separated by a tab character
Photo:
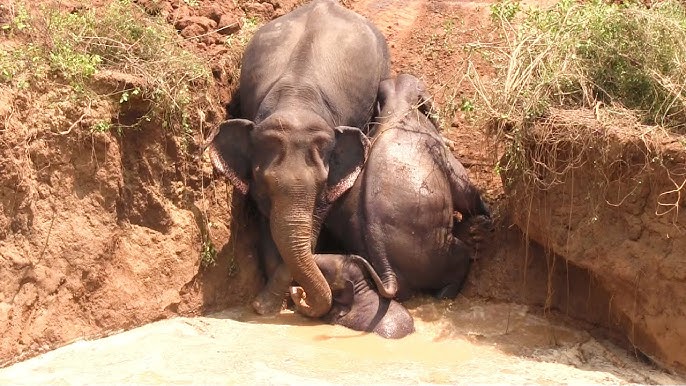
466	196
405	290
459	260
270	258
375	241
270	299
449	292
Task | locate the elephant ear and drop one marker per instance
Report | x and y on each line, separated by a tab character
230	148
346	161
343	299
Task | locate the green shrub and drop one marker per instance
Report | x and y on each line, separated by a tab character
504	10
118	37
575	55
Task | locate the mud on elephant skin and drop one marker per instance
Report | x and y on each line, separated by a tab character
356	303
308	82
399	213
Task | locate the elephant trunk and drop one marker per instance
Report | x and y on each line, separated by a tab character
384	290
292	227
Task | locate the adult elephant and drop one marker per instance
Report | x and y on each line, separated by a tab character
309	80
399	214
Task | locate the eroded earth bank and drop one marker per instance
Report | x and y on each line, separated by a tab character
103	231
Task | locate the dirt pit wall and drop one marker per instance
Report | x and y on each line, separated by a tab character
607	198
101	232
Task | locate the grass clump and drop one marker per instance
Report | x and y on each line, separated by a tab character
587	85
142	55
239	41
576	55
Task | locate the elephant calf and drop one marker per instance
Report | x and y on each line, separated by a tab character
356	303
399	213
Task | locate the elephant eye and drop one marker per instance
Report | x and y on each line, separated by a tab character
319	153
268	149
322	144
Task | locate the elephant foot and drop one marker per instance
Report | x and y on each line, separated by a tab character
267	303
449	292
299	298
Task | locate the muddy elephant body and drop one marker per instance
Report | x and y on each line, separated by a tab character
309	81
356	303
399	213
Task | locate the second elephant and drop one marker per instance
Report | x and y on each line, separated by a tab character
399	213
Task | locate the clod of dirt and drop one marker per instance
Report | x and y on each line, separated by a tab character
228	24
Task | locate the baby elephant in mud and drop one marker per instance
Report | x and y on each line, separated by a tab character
356	303
399	213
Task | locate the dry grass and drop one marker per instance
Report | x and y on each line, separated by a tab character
576	55
569	74
116	47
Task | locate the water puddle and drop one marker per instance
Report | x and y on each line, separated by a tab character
456	342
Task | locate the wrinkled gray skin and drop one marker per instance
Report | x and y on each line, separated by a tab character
399	213
308	80
356	303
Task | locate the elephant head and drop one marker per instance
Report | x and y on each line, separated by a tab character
403	94
294	166
356	304
343	273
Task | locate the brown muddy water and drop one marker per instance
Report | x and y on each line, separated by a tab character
464	341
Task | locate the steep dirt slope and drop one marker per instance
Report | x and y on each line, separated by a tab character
104	231
616	210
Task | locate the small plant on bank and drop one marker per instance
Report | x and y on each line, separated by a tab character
101	127
241	39
504	10
19	19
208	254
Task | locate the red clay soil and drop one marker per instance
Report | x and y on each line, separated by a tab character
100	232
615	209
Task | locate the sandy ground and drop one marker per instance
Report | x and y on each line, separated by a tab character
460	342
